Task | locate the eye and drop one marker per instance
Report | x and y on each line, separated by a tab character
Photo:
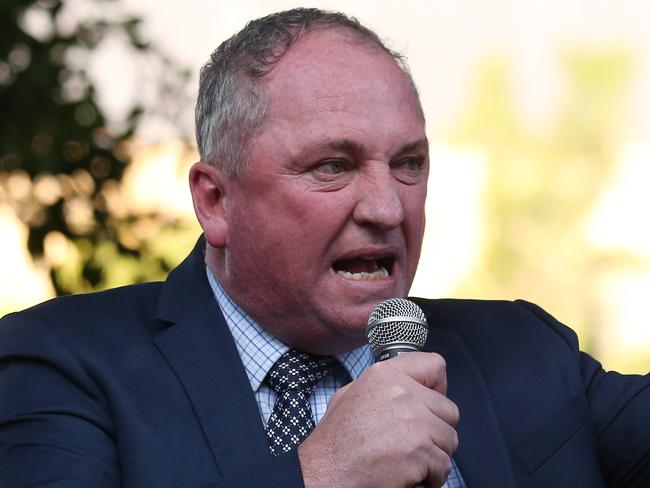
331	174
331	167
409	168
412	164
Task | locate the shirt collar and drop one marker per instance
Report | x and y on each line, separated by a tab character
259	350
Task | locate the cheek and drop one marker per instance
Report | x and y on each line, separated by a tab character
414	210
314	216
281	229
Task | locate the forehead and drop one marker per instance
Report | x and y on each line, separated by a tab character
329	86
329	68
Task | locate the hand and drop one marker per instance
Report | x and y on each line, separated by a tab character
392	427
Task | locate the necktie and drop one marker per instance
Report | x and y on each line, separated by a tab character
294	376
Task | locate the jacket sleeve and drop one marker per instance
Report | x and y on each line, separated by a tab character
55	427
619	406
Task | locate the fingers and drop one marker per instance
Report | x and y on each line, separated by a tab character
439	469
415	376
435	455
427	368
393	426
428	375
428	388
442	407
444	436
431	452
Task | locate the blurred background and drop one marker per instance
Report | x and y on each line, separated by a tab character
538	115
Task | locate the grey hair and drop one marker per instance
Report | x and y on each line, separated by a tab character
232	106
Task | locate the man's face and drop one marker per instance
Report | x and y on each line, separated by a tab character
328	219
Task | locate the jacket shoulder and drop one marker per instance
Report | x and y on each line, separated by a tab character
112	316
482	322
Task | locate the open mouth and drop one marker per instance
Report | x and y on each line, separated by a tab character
364	268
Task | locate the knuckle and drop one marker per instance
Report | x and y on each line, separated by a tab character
373	376
398	393
456	441
378	370
439	361
440	471
447	466
455	413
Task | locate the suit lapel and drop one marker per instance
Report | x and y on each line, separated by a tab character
200	349
482	455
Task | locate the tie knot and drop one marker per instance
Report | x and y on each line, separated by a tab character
298	371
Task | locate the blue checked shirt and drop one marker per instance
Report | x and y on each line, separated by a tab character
259	350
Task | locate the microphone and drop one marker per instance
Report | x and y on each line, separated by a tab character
396	326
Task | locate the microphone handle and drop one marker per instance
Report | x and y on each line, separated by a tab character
391	352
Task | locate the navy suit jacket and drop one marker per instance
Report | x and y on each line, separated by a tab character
142	386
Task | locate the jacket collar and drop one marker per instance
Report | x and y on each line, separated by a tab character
198	346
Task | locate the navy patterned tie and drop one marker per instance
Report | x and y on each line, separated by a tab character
294	376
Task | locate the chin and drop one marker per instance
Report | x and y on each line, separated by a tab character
333	335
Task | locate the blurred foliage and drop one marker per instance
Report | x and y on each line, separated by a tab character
541	186
61	160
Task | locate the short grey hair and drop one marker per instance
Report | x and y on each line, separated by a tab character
232	106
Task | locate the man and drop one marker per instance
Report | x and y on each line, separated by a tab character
310	193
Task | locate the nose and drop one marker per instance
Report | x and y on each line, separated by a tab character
378	202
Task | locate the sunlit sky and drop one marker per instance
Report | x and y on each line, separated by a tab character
445	42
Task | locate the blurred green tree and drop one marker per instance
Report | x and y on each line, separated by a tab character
61	159
543	184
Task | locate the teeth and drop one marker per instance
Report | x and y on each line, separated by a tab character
375	275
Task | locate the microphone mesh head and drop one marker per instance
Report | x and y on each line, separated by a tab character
409	324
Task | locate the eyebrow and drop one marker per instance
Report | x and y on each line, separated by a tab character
346	145
421	145
351	146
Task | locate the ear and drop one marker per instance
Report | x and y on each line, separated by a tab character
208	186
